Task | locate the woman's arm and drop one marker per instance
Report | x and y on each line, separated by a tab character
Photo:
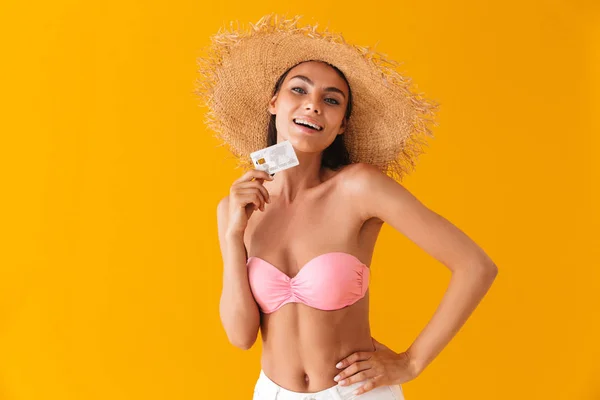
238	309
378	195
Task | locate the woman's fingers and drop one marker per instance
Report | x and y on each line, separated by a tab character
253	196
351	370
254	173
258	185
249	189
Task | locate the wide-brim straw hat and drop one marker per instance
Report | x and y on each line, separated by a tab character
389	123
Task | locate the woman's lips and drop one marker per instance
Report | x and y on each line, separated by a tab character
305	129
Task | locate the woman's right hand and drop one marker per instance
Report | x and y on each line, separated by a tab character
246	196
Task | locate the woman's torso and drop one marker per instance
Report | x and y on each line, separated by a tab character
301	344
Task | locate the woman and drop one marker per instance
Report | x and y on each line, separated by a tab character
297	246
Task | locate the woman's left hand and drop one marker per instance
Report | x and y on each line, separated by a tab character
378	368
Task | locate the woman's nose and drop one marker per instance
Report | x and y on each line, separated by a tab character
313	106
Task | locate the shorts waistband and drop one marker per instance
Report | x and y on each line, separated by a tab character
266	385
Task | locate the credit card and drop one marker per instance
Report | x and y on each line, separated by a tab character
275	158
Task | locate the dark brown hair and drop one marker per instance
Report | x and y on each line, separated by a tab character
336	154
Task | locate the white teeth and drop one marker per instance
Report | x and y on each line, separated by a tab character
299	120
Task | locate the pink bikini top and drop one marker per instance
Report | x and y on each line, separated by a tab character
329	281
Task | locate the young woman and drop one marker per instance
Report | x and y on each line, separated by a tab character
297	246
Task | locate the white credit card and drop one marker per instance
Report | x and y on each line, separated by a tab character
275	158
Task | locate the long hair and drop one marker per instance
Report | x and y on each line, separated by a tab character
335	155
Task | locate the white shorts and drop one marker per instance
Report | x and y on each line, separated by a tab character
266	389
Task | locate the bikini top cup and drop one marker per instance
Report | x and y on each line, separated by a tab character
329	281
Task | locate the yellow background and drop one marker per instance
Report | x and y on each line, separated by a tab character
110	267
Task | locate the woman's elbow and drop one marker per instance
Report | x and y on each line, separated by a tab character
244	343
492	270
243	338
244	346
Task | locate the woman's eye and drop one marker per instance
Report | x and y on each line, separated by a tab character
298	88
335	101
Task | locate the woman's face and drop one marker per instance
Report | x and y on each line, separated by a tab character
311	91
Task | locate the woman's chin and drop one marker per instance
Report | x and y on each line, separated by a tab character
301	143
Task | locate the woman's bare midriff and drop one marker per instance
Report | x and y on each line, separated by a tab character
301	344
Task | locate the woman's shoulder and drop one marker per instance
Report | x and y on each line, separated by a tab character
356	170
356	176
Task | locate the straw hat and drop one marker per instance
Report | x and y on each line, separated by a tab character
389	122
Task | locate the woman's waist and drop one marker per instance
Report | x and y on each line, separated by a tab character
307	364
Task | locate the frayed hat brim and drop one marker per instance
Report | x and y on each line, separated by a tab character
390	122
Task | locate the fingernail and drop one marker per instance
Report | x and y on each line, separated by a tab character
339	365
336	378
343	382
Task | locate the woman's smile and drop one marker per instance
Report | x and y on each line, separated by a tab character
305	129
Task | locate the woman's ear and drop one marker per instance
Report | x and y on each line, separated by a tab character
343	126
272	109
